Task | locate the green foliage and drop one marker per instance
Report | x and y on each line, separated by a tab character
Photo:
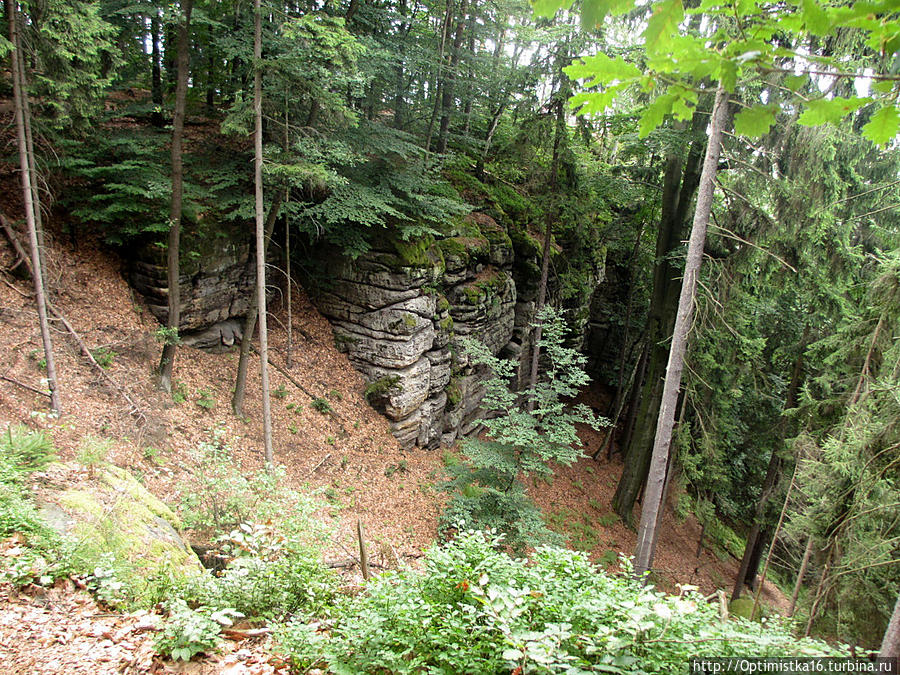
519	441
188	632
92	453
73	48
477	610
399	467
675	62
167	335
379	389
322	405
205	399
103	356
268	586
179	391
22	452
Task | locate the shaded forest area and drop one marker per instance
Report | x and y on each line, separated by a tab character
695	204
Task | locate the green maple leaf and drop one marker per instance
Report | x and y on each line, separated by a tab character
830	111
756	121
655	113
594	11
603	70
548	8
884	126
662	25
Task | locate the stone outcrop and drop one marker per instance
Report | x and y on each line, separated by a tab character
113	513
216	279
402	310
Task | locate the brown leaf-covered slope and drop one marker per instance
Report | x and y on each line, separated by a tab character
351	454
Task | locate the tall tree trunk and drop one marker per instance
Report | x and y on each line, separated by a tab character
240	381
438	77
752	546
32	157
545	260
622	359
775	535
647	531
449	84
890	645
260	233
156	94
210	72
755	542
800	574
28	190
679	186
167	361
289	355
635	396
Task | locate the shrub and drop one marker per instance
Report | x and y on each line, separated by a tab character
23	451
519	441
188	632
103	356
93	453
266	588
478	610
379	389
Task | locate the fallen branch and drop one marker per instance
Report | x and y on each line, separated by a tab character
316	467
16	244
24	386
299	386
136	410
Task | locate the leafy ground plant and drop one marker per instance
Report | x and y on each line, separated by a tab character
477	610
188	632
526	430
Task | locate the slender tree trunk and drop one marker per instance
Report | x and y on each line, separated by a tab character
753	537
890	645
629	304
679	186
210	72
260	233
647	531
438	77
240	381
634	402
449	85
289	356
25	164
156	95
800	574
755	542
820	592
762	579
32	157
545	261
167	361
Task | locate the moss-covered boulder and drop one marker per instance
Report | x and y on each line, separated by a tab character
107	511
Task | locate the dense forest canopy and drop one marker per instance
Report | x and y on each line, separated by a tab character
583	129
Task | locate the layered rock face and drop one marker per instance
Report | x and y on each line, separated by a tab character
401	311
216	280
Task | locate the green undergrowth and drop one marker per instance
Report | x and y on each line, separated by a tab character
263	534
475	609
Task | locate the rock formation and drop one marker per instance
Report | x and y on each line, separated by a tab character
402	310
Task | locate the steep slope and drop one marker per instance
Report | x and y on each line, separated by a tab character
349	455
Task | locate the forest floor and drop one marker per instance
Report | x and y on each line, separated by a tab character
349	457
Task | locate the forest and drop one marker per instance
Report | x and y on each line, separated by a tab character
544	294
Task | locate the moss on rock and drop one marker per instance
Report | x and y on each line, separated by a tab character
115	514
